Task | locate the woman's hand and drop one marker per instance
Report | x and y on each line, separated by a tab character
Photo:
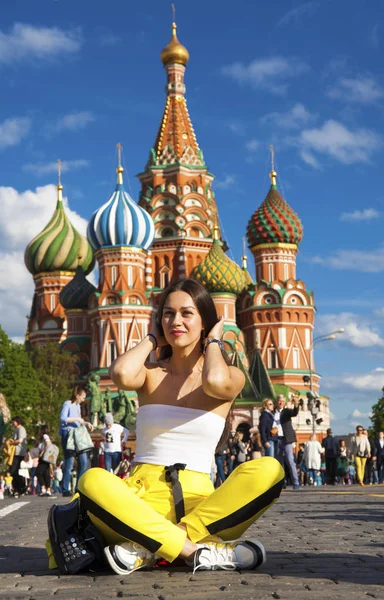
89	426
267	445
217	330
161	341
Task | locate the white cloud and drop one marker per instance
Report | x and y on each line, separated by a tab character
365	381
28	42
252	145
360	215
362	90
379	312
225	183
267	73
12	131
295	118
310	159
296	15
357	413
16	284
367	261
335	140
51	167
359	331
74	121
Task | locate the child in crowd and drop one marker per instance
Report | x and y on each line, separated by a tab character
8	489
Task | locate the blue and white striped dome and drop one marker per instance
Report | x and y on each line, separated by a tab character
120	222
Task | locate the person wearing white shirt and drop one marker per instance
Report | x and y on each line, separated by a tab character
114	436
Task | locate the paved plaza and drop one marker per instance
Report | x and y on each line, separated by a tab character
321	543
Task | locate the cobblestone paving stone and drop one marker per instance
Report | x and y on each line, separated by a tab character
325	543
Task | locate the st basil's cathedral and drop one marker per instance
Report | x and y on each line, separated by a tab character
172	233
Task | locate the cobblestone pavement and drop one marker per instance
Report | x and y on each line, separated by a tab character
321	543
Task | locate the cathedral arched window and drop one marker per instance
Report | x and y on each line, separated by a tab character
53	302
272	358
111	352
296	358
271	272
286	272
167	232
113	275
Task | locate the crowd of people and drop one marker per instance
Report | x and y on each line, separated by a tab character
316	463
37	469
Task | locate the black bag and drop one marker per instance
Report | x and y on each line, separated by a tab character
76	543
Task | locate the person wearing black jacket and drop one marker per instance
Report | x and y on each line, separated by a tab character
331	448
286	436
379	456
266	426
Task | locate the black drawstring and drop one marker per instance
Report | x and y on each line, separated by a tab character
172	476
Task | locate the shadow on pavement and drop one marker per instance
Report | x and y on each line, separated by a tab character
346	567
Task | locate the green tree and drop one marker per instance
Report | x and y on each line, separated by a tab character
18	381
377	417
55	370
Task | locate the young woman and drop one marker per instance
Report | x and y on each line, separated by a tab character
70	416
44	469
168	506
361	448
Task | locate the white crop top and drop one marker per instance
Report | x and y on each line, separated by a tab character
171	434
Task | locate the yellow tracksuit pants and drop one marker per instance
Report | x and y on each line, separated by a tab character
141	508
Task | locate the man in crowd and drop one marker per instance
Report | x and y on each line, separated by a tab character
379	455
331	448
286	436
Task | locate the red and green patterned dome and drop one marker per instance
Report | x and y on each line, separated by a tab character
274	222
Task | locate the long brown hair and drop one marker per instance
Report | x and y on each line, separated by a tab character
204	304
77	390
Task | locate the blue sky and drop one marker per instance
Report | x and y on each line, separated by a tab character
78	77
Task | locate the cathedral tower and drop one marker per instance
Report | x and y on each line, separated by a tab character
277	313
52	257
176	185
121	234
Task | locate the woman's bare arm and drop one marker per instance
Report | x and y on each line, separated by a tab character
220	380
128	371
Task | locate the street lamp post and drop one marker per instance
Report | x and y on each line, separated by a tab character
313	397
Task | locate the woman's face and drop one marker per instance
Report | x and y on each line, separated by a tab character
81	397
181	321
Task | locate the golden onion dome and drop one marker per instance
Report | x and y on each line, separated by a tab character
174	52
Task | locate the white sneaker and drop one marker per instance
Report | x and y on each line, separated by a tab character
128	557
240	554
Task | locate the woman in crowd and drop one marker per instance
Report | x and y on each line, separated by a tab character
70	417
342	463
268	428
114	436
361	449
254	445
168	506
20	442
312	457
44	471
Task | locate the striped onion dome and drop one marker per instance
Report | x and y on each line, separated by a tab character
218	273
59	245
77	292
120	221
274	222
